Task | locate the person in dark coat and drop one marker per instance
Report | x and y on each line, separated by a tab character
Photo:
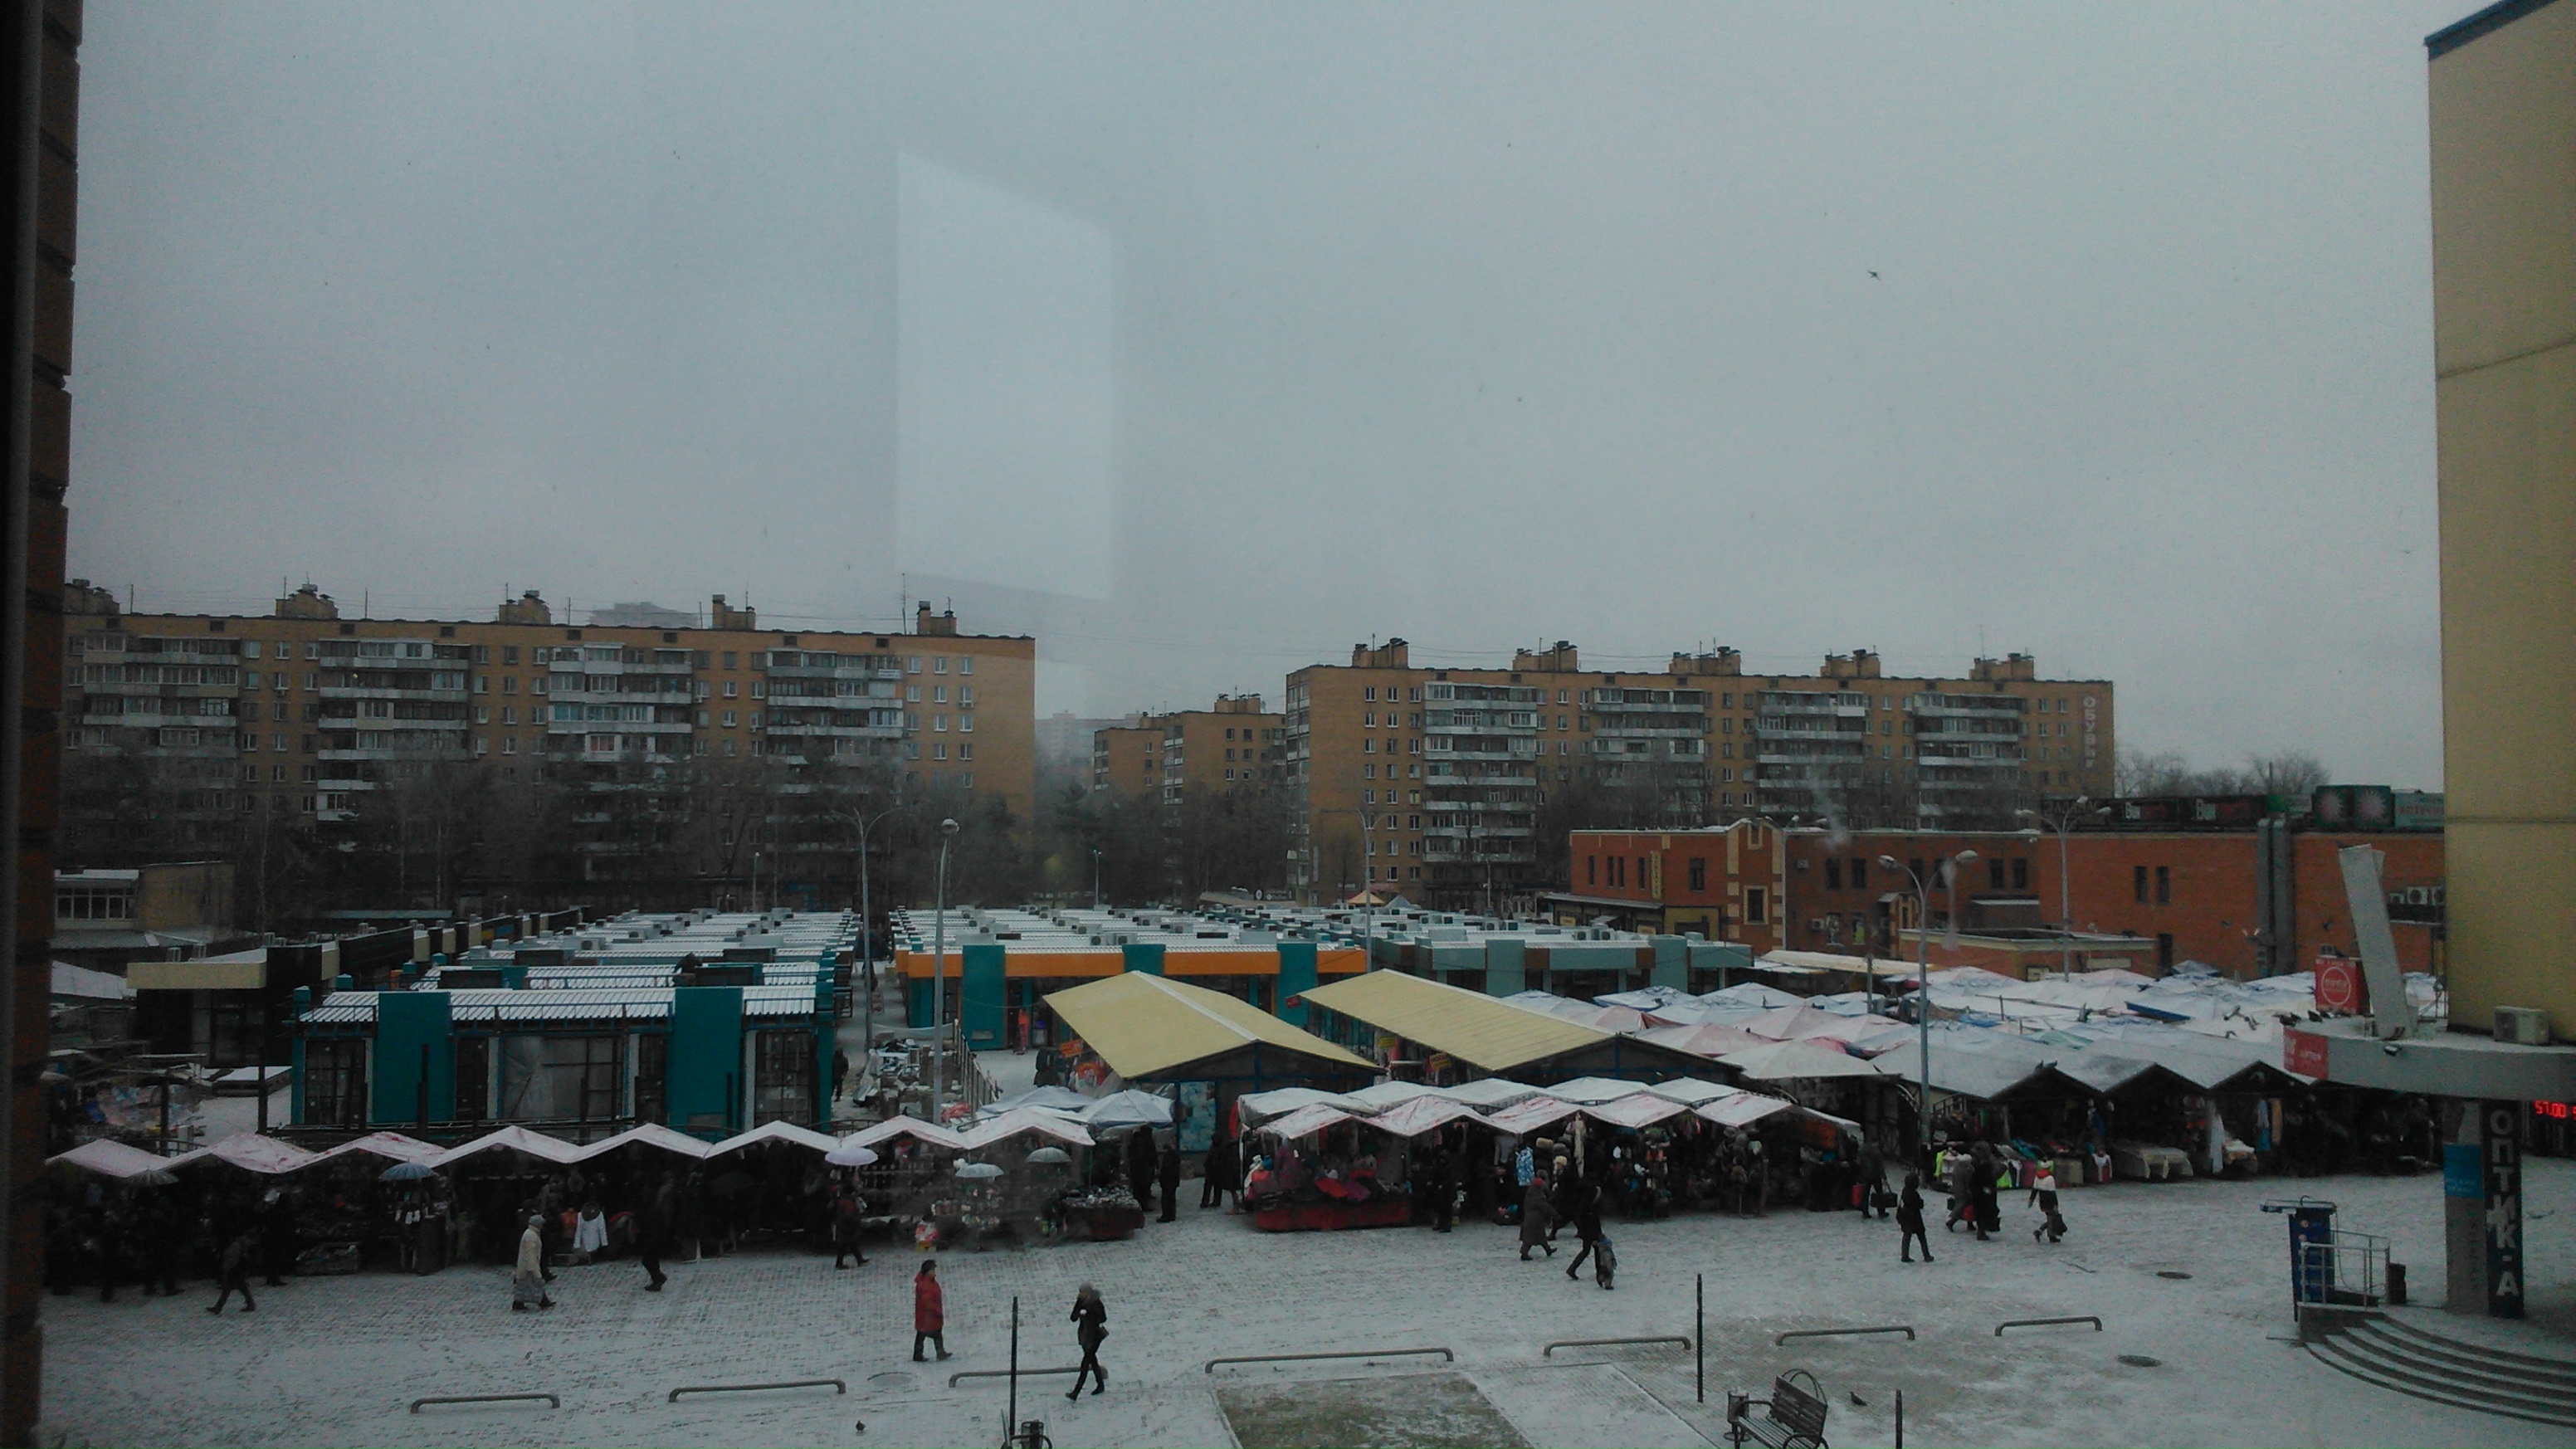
1873	1179
276	1236
1587	1223
1441	1179
1909	1220
232	1274
1537	1216
845	1227
1167	1171
1989	1211
654	1227
1221	1171
1140	1165
1091	1325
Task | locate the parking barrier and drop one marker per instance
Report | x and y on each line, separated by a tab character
1445	1354
1680	1338
551	1401
838	1387
1903	1328
2043	1322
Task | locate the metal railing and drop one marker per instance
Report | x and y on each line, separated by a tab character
2044	1322
551	1401
1445	1355
838	1387
1682	1339
1904	1328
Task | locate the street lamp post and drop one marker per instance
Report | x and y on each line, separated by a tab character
2063	820
755	882
867	939
939	976
1948	870
1095	878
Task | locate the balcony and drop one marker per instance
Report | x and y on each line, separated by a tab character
1963	706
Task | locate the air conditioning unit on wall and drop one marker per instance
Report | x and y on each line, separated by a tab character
2522	1026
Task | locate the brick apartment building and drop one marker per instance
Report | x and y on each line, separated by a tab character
1723	883
305	714
1231	742
1430	780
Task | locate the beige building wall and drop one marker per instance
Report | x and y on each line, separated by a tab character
2503	117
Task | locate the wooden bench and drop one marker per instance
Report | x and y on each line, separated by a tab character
1792	1418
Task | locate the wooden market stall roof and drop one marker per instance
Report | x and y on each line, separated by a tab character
1480	1030
1146	1026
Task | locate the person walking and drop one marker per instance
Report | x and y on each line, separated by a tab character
528	1278
1587	1224
1873	1179
2044	1192
653	1235
1909	1220
1140	1165
845	1227
232	1274
1537	1216
1091	1325
1167	1171
1442	1175
929	1311
1219	1173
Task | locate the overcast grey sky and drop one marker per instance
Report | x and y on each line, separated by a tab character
1206	340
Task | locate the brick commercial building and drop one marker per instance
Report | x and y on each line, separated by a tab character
1431	780
639	736
2190	895
1722	883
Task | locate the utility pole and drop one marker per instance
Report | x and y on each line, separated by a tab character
1948	870
939	976
867	941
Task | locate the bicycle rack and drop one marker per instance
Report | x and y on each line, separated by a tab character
838	1387
551	1401
1903	1328
1682	1339
1445	1355
2043	1322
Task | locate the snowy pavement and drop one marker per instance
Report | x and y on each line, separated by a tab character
336	1360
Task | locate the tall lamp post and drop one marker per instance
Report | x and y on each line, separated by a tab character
867	938
1095	878
939	976
2075	809
1948	871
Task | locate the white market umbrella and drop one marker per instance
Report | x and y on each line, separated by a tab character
1051	1156
850	1154
977	1170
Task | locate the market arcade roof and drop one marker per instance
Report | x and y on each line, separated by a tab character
1148	1028
1492	1035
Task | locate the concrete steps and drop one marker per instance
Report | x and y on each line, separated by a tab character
2399	1356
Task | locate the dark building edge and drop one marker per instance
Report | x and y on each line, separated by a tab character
2495	17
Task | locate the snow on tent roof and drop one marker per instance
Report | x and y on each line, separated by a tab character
1062	1099
1970	1061
515	1138
1709	1039
1529	1116
1690	1092
647	1134
251	1153
1130	1108
2101	1070
1422	1114
1388	1094
1793	1023
1026	1119
1586	1091
1491	1094
392	1146
1639	1109
1306	1121
912	1127
1741	1110
1645	998
1254	1108
1796	1061
1749	993
776	1132
110	1158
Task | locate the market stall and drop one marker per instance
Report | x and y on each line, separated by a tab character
1318	1169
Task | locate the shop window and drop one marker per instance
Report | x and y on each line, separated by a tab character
783	1082
652	1078
561	1078
473	1078
1757	906
335	1082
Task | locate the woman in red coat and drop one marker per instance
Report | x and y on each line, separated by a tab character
929	1312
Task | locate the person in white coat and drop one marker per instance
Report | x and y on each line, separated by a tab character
528	1283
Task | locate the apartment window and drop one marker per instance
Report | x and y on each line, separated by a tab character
728	719
939	664
509	744
1833	874
509	653
1994	872
1368	772
939	750
1699	873
536	684
939	724
1591	873
912	664
2164	885
966	750
966	723
277	773
759	689
482	715
482	684
1757	906
733	690
939	694
1914	867
2021	873
1368	692
2138	883
312	681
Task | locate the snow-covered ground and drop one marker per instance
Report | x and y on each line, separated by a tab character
336	1360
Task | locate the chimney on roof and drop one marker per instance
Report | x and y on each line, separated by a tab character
1560	658
307	602
926	622
528	608
721	615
